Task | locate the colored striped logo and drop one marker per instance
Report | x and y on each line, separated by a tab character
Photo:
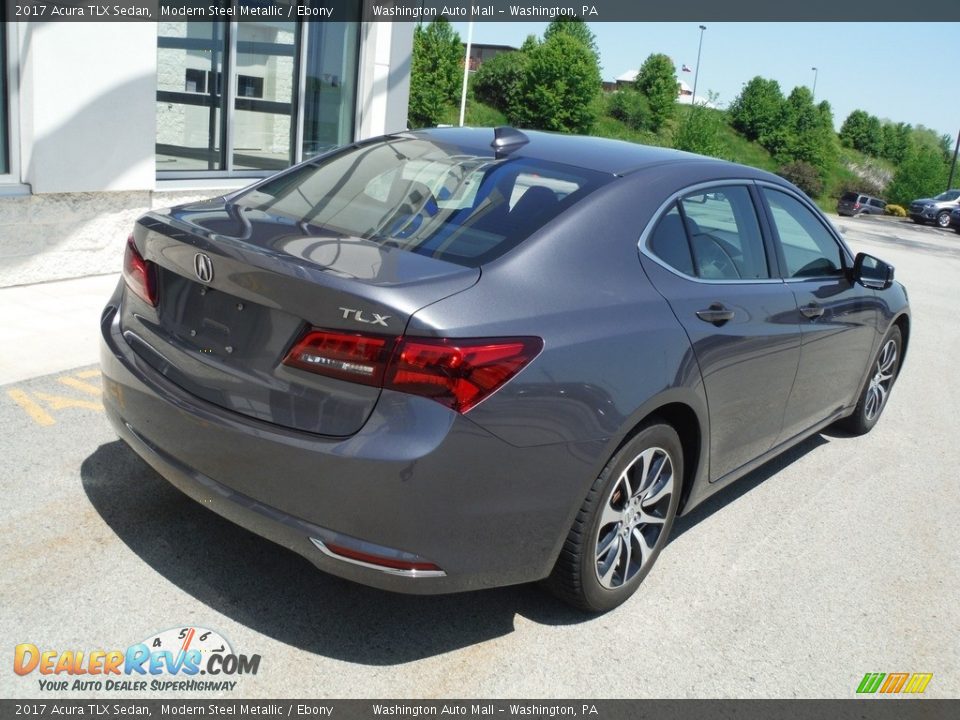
892	683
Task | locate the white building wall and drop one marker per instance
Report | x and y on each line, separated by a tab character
88	128
91	121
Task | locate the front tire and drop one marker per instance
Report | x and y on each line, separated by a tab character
883	374
943	219
623	524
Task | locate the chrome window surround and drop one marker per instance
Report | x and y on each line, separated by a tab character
664	208
643	243
828	226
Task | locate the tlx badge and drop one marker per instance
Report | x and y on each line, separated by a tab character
358	316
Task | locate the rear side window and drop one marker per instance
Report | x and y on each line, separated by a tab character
426	197
713	235
809	250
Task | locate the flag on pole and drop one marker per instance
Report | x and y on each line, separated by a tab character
684	68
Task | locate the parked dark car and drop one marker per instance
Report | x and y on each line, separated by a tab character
852	203
935	210
454	359
955	219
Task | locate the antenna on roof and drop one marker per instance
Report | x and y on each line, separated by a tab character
507	139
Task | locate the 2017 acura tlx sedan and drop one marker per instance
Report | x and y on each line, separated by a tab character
454	359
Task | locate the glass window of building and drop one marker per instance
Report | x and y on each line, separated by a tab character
289	94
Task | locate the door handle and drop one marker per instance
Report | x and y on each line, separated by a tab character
716	314
812	311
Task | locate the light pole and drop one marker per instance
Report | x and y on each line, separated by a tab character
953	165
466	73
814	83
696	73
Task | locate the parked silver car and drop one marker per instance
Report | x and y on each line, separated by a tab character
935	209
852	204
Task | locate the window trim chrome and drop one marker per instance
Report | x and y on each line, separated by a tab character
848	255
643	242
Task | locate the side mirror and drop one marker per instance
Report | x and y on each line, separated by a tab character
871	272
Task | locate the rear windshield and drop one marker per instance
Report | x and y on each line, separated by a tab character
851	196
426	197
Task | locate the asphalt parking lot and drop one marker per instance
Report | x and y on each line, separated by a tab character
838	559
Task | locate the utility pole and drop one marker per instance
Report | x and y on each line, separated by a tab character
696	75
953	165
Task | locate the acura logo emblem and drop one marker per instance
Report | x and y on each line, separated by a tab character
203	267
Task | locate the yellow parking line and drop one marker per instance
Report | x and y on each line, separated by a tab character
79	385
39	415
88	373
58	402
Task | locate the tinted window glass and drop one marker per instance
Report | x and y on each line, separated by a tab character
669	242
725	235
808	248
427	198
851	196
877	203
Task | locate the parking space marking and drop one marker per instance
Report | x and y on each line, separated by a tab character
59	402
79	385
37	413
42	406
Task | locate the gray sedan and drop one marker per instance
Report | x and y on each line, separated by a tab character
454	359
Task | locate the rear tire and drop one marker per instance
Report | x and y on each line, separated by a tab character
874	396
623	524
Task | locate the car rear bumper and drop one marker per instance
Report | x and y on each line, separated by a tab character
417	480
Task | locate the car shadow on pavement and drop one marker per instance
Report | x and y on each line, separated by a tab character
276	592
748	482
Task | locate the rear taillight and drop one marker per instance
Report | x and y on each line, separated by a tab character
139	274
856	206
456	373
348	356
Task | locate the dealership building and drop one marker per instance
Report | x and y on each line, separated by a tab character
102	121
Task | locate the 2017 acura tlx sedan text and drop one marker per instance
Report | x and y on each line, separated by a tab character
454	359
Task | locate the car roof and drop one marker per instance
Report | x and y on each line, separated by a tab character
599	154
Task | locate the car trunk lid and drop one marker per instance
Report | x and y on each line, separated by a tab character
237	287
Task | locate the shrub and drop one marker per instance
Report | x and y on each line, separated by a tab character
499	82
895	210
560	85
435	72
631	108
700	131
804	175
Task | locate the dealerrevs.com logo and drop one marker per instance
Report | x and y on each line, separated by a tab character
170	661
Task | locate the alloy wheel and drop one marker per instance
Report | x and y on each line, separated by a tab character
881	381
633	517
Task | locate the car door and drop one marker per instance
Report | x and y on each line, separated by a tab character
706	255
838	318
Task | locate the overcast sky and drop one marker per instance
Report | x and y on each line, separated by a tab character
902	71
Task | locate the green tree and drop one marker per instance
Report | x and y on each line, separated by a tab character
809	135
758	113
561	84
657	80
862	131
895	141
923	173
436	72
499	82
575	28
